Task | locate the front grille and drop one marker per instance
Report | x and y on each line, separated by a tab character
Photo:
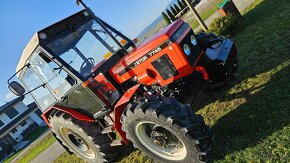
164	67
195	50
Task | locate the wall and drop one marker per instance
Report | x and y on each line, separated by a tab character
5	119
36	118
17	136
20	107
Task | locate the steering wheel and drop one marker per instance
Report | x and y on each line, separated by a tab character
87	66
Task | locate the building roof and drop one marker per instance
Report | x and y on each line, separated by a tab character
8	105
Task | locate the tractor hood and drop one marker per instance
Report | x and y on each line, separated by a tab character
146	47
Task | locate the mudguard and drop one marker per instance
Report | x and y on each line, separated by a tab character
220	50
73	112
119	109
222	63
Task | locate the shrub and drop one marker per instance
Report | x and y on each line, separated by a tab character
225	26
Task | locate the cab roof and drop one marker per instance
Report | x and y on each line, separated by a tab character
28	50
51	31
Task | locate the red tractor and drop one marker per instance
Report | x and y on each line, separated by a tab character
92	84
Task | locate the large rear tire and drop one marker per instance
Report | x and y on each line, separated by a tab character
167	130
82	138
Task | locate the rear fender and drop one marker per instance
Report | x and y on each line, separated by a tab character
73	112
119	109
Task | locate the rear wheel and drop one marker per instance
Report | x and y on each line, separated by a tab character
82	138
167	131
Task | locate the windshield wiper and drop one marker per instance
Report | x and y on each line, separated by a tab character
58	68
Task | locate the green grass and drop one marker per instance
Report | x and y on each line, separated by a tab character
36	133
67	158
37	149
250	117
210	10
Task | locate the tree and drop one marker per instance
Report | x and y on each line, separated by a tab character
165	17
184	3
181	5
177	9
174	12
171	16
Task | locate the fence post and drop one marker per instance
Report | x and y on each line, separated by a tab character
200	21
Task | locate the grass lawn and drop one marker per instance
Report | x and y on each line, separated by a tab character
37	149
250	117
67	158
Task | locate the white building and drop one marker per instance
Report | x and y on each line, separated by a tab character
16	122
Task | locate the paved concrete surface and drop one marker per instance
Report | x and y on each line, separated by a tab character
50	154
46	156
31	145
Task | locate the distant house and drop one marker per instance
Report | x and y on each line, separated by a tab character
16	121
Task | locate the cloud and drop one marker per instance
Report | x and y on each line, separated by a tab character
10	96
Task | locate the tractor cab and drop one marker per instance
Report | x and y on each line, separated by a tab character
83	44
64	57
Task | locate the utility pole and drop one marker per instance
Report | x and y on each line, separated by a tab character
197	16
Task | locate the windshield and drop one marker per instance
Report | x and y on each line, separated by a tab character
85	47
44	71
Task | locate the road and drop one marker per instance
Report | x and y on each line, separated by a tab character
47	156
31	145
50	154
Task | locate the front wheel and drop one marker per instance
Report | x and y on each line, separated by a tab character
82	138
166	130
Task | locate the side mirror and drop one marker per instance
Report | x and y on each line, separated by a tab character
16	88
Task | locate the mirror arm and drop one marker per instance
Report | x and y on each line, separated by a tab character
28	65
42	85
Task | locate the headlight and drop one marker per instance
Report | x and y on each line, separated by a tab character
193	40
186	49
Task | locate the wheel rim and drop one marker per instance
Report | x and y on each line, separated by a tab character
77	142
162	143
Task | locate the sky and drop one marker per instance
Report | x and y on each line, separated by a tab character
20	19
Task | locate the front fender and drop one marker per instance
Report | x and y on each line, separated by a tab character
73	112
119	109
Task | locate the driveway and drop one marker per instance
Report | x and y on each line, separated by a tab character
50	154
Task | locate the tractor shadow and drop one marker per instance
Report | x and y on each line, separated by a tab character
263	113
260	49
124	151
265	108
